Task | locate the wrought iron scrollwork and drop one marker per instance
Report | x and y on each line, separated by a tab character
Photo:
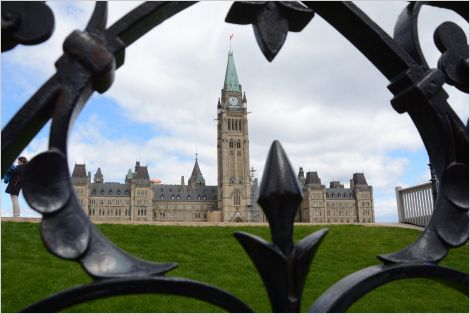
88	64
25	23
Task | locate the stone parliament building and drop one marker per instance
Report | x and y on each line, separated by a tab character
233	199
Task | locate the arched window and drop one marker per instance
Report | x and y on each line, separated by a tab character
204	197
178	197
172	197
162	197
236	197
188	197
199	197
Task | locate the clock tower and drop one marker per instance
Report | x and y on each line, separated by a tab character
233	161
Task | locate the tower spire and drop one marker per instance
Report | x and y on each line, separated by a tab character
231	83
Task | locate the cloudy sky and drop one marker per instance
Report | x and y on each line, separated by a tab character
320	97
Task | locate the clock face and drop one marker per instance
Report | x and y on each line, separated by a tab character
232	101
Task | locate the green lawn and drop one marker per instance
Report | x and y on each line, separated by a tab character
212	255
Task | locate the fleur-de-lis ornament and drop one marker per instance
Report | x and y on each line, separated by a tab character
282	265
271	21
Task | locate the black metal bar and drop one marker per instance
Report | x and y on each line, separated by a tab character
366	35
114	287
344	293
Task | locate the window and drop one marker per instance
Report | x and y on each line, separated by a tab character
188	197
236	197
204	197
110	192
199	197
94	192
118	192
172	197
177	197
102	192
162	197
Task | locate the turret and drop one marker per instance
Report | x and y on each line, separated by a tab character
244	100
336	185
79	174
141	174
312	178
301	176
98	176
129	176
196	178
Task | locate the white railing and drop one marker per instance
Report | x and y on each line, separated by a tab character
415	204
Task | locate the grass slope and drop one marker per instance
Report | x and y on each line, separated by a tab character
212	255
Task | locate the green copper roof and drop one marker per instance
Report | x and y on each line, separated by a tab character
231	79
196	175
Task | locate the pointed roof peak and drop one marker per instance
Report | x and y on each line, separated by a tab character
231	78
129	174
196	175
79	170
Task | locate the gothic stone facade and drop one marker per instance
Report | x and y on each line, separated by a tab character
336	204
233	199
140	199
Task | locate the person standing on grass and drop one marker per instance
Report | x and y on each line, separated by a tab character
15	184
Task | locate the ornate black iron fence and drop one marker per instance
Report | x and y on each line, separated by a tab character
88	64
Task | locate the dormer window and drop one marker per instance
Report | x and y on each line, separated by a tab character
172	197
94	192
177	197
188	197
102	192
